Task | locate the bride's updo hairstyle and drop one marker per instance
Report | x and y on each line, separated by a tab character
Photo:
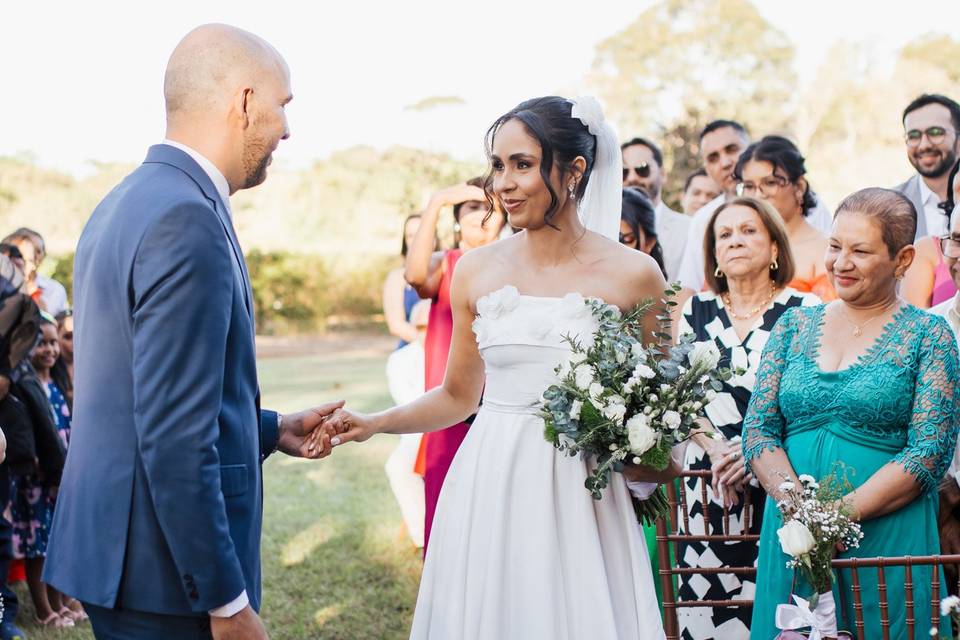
561	137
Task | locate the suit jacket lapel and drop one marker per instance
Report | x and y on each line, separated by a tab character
915	196
164	153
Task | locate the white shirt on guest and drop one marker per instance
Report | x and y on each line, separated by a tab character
950	311
52	294
936	220
223	189
672	228
691	274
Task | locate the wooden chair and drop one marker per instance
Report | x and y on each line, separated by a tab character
667	535
938	591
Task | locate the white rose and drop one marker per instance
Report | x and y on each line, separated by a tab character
643	371
949	604
795	539
640	435
672	419
583	377
704	355
595	390
575	410
614	411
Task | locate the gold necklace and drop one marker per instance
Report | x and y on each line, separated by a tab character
858	328
763	305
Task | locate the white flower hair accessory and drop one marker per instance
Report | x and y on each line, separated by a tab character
588	110
600	206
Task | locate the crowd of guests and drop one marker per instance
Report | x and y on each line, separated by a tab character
830	316
36	397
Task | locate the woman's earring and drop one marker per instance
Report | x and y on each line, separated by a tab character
456	227
572	188
774	265
718	273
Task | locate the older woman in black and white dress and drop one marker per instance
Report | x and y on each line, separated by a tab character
748	265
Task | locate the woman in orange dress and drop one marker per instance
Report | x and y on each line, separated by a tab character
773	170
430	273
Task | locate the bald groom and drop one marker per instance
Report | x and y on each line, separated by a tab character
157	526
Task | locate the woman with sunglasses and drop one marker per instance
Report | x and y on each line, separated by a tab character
773	170
928	282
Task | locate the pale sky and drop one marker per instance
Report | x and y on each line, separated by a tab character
83	80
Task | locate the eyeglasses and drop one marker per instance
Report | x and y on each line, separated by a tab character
642	170
768	186
935	135
950	247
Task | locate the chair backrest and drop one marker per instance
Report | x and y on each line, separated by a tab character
667	535
856	565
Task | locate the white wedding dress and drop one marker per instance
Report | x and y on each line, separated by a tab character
519	549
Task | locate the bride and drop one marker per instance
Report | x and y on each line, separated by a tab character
519	548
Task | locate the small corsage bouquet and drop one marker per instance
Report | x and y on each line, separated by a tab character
621	401
816	521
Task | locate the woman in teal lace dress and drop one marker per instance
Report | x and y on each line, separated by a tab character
868	381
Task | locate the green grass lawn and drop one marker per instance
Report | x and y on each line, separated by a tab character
335	562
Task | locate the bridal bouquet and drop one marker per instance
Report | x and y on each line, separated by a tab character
621	401
815	521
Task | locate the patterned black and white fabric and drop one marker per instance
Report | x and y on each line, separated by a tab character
706	318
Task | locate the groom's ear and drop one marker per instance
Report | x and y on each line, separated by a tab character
243	105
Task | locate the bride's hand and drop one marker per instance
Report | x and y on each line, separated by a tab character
640	473
351	427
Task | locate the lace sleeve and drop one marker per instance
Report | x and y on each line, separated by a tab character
932	434
763	424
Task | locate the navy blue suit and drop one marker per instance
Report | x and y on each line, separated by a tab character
160	506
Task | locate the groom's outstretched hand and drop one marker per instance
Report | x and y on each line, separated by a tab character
307	434
243	625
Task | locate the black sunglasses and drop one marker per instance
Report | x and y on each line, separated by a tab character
643	170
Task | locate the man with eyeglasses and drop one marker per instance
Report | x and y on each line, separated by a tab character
931	124
643	168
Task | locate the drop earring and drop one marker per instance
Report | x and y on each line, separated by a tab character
572	188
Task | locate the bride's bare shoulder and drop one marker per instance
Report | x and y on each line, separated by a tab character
635	272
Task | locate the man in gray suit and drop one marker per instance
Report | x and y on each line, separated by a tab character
931	126
157	526
643	168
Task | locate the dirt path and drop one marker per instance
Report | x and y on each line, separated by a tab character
359	344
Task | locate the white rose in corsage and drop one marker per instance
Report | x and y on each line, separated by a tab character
795	538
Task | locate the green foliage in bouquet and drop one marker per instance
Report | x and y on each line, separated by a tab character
625	400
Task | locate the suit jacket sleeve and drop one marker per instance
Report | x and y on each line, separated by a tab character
269	433
182	291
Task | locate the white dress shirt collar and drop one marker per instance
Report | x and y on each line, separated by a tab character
209	168
936	221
